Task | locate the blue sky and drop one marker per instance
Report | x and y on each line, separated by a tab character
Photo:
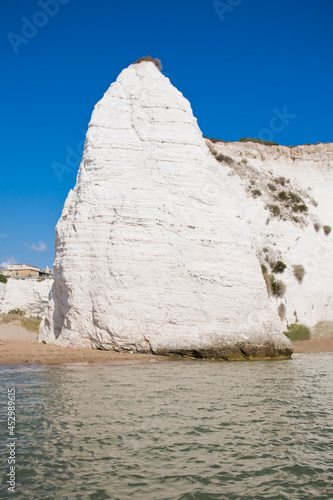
239	62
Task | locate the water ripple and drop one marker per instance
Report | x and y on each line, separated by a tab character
174	431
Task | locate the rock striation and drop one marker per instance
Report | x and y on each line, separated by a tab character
153	249
299	181
28	295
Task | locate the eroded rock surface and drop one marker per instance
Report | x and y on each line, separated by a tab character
153	249
28	295
299	182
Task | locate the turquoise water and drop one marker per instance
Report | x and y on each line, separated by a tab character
181	430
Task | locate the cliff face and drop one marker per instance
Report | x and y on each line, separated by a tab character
299	181
30	296
153	249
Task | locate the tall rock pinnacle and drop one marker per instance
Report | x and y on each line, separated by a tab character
153	251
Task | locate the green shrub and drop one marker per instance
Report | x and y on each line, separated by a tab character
224	159
264	269
274	210
274	287
278	267
3	278
278	287
281	289
31	324
258	141
280	180
299	272
327	230
299	207
297	332
316	226
256	192
271	186
212	139
282	196
16	311
265	249
295	198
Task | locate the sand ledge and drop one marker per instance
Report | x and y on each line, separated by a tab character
12	352
32	352
18	346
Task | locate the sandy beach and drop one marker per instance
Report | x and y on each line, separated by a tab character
18	345
12	352
312	346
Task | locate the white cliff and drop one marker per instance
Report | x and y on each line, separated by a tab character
28	295
296	238
154	251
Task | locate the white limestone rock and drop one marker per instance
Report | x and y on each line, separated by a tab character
28	295
153	249
307	171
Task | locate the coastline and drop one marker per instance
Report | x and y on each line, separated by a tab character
32	352
18	346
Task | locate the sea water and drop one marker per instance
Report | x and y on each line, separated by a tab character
178	430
